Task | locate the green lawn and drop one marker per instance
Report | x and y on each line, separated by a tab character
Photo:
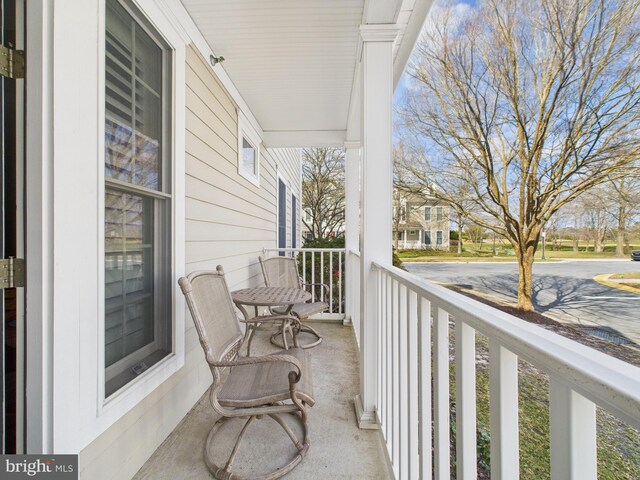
618	444
504	255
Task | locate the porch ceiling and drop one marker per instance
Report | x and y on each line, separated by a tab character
295	62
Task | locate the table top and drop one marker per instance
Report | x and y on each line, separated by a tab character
270	296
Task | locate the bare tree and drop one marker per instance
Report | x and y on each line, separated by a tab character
625	193
476	233
595	207
526	105
323	190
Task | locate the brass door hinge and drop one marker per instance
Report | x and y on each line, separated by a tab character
11	272
11	62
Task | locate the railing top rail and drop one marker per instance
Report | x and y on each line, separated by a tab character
354	252
607	381
302	249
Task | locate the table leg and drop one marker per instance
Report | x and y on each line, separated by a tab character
249	327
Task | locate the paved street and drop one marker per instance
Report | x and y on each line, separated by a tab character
562	290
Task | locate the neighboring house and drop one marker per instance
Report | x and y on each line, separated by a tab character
420	221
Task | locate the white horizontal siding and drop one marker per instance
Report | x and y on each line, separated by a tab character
229	220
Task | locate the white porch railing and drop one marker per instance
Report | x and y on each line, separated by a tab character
414	315
321	265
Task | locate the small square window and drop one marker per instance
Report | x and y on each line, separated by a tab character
248	157
248	152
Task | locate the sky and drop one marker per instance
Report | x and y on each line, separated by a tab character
462	8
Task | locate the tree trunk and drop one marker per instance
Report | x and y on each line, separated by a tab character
525	279
621	228
459	239
597	243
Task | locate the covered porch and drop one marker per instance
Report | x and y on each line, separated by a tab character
386	388
294	75
339	449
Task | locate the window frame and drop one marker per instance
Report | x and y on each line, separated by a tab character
108	409
427	209
294	220
439	214
246	132
440	233
161	229
280	178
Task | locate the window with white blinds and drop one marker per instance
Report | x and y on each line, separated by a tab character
137	197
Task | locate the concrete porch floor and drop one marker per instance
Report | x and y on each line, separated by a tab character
339	449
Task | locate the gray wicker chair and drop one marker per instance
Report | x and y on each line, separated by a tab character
273	385
283	272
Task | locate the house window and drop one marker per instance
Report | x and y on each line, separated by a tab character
282	214
427	237
248	152
137	223
439	237
402	214
294	221
427	214
438	213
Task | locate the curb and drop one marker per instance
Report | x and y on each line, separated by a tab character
604	280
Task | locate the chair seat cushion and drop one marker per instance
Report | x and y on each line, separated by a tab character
265	383
303	310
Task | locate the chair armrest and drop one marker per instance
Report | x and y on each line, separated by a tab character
262	359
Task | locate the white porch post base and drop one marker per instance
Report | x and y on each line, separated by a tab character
366	419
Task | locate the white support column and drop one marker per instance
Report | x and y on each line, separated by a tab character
351	221
376	195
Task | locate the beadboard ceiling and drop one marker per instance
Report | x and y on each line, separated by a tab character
294	61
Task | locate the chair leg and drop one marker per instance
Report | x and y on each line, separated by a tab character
226	473
275	338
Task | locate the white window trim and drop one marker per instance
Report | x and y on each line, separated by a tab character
245	130
441	232
111	409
